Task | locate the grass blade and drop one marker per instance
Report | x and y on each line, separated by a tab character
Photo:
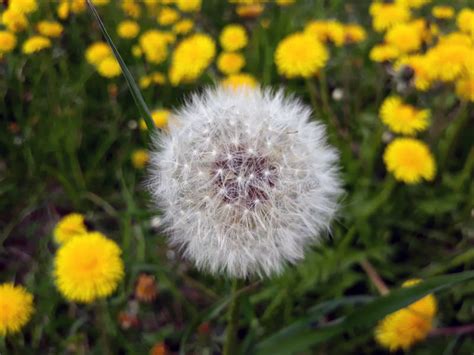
132	85
300	338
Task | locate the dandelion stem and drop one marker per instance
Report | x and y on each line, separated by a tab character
313	96
459	330
132	85
374	277
102	326
230	345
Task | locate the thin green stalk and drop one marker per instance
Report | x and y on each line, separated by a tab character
230	345
102	326
313	96
132	85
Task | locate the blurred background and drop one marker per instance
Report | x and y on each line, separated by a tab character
72	141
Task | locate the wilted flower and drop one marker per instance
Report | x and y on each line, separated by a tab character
88	267
245	180
409	160
403	118
233	38
239	80
404	328
145	289
16	307
68	227
230	62
300	55
158	349
35	44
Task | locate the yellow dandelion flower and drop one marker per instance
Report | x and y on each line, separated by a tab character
128	29
385	15
422	68
24	6
191	57
88	267
97	52
7	42
406	37
137	51
167	16
327	31
14	20
16	308
50	28
109	67
183	27
450	60
404	328
140	158
35	44
354	33
69	227
160	119
414	4
233	38
300	55
236	81
131	8
189	5
442	12
230	62
155	46
384	53
409	160
154	78
250	10
403	118
465	21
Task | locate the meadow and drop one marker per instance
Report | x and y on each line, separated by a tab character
86	266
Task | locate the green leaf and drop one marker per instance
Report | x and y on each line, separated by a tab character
132	85
299	336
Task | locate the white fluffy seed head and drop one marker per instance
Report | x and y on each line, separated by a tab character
246	182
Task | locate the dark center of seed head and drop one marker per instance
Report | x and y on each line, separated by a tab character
242	177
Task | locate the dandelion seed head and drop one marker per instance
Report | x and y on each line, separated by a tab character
241	206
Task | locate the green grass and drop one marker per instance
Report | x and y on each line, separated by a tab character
71	152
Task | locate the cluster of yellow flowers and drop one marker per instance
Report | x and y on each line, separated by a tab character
404	328
15	20
101	57
88	265
304	54
230	62
431	55
434	54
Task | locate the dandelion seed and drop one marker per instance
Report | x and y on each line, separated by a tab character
248	213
